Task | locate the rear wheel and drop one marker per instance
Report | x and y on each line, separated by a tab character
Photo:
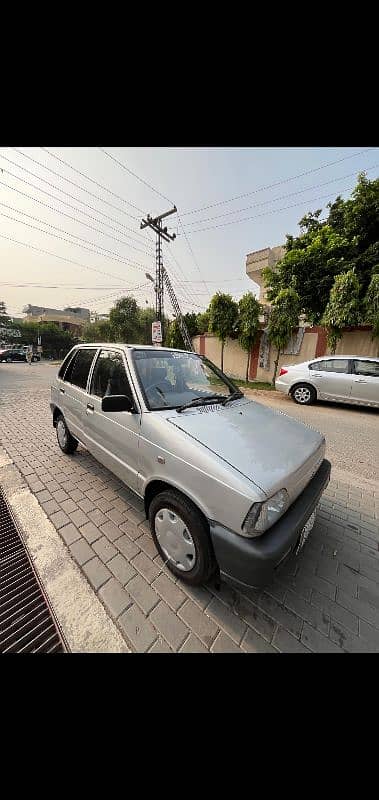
182	537
66	442
8	360
304	394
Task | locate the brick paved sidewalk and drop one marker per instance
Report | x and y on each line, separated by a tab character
327	600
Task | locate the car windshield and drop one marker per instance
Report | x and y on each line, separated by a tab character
172	379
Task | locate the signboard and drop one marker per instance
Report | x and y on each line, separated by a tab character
156	332
39	348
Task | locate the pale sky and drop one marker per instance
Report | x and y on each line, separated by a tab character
107	219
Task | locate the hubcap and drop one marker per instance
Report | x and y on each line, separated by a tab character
61	433
175	539
302	394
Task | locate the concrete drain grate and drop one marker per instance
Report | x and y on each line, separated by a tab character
27	624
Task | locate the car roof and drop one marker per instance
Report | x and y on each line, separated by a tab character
131	346
324	358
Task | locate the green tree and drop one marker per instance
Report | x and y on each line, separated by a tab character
344	307
3	312
124	320
55	341
174	335
284	317
347	239
99	331
248	324
372	303
203	322
223	317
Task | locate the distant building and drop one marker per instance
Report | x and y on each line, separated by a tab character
69	319
95	317
257	261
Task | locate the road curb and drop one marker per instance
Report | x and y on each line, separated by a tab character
85	624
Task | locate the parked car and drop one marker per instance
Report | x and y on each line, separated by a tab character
228	484
343	379
16	355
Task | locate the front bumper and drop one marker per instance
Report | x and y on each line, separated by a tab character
252	562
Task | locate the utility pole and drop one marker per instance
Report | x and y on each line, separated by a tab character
161	233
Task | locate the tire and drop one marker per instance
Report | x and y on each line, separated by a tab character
303	394
66	442
171	509
34	359
8	360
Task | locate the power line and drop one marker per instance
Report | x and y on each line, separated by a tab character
69	216
191	251
62	258
282	197
67	233
135	175
266	213
87	177
58	189
81	188
278	183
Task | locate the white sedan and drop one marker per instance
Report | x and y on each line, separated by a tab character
342	379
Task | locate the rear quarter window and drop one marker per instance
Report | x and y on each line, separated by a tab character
78	370
65	363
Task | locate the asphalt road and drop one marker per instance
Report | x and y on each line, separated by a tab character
352	432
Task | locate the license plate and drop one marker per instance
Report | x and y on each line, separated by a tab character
305	532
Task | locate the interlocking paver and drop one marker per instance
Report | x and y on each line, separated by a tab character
81	551
115	597
143	594
50	507
167	589
317	642
59	519
104	549
226	620
112	532
137	629
147	568
90	532
193	645
97	517
286	643
96	572
224	644
78	518
69	533
198	622
128	548
169	625
121	569
253	643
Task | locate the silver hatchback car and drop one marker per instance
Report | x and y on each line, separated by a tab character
343	379
230	487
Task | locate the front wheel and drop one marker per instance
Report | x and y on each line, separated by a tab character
303	394
66	442
182	538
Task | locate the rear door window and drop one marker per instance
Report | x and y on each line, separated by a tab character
65	364
368	368
78	370
337	365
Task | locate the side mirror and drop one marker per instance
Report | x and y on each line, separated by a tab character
117	402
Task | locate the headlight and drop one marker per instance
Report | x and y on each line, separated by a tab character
262	515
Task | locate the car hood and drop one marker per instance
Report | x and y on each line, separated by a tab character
266	446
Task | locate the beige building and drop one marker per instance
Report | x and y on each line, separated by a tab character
69	319
257	261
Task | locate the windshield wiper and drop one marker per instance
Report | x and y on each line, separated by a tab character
202	401
234	396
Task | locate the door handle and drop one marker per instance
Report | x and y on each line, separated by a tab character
317	374
61	391
90	408
361	380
